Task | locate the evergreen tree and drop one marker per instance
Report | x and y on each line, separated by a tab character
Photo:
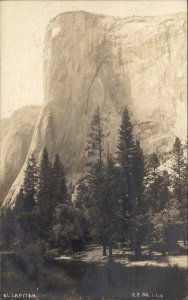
164	188
82	194
111	204
179	169
82	201
60	188
164	229
183	205
95	141
139	216
153	178
7	228
96	204
25	211
132	164
139	167
126	161
160	199
158	185
29	185
103	205
95	152
45	194
125	158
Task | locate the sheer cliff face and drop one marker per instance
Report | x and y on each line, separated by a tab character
92	60
16	135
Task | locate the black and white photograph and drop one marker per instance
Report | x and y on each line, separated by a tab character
93	150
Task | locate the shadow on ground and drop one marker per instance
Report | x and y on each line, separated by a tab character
84	280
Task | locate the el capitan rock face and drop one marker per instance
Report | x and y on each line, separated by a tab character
93	60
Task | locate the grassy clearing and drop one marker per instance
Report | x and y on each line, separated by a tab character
76	279
125	257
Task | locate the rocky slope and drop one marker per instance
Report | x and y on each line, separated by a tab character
94	60
15	139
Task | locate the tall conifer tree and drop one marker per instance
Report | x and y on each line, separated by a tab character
26	227
138	221
95	150
29	185
180	181
111	204
95	142
45	195
60	188
125	159
178	167
126	156
131	161
153	179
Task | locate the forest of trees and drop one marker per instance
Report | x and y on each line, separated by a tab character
125	198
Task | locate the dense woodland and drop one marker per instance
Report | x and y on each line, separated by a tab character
122	199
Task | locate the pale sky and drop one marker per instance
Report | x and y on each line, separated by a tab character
23	25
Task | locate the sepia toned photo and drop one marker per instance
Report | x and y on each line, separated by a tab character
93	140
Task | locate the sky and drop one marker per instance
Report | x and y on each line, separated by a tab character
23	26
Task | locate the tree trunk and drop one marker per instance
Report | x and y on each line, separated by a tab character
104	251
137	251
72	248
110	258
184	237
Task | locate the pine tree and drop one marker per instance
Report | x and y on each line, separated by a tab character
29	185
163	207
82	193
139	217
82	201
125	158
131	160
164	188
25	210
165	228
45	194
111	204
96	204
60	188
101	208
183	206
139	166
7	228
95	141
95	152
179	169
153	182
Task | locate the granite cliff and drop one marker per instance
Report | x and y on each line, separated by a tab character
94	60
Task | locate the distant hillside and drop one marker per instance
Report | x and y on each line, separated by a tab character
15	139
